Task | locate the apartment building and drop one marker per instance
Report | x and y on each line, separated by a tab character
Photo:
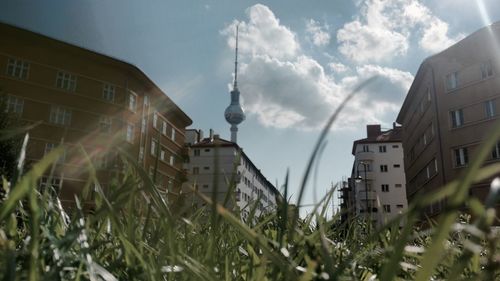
214	165
376	189
449	111
89	102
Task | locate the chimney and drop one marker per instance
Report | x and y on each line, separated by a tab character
211	134
200	135
373	131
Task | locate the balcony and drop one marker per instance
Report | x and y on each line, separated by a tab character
369	176
370	194
365	156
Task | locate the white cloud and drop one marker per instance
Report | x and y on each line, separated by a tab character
263	34
383	29
435	37
338	67
364	43
318	34
290	89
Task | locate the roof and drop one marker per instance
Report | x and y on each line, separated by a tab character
392	135
121	62
216	141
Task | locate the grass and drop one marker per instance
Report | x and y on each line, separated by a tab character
134	234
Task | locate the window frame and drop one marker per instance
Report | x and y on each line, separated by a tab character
18	68
108	92
66	81
60	115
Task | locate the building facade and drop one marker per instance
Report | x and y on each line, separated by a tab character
448	112
376	189
89	102
216	165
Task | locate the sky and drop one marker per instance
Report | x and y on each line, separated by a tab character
297	61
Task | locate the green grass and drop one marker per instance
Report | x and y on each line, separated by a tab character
133	233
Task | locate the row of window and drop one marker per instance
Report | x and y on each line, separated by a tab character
457	116
381	148
453	81
64	80
163	128
163	153
385	207
383	168
422	141
461	155
58	115
385	187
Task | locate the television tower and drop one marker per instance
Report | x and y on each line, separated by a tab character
234	113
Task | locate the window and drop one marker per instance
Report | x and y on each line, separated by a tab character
105	124
489	108
155	120
162	155
452	81
55	182
461	157
396	165
457	118
383	168
385	188
66	81
428	94
49	147
486	70
398	185
14	105
366	148
387	208
171	160
130	133
18	68
382	149
132	101
164	127
395	146
205	186
172	134
196	170
154	143
143	125
206	168
399	206
108	92
495	153
196	152
207	149
60	115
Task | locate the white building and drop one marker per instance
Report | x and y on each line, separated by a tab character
215	163
378	184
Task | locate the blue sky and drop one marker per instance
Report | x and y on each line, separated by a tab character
298	60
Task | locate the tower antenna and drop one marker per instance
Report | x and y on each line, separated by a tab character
235	86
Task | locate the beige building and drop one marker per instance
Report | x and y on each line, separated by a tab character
93	102
449	111
215	165
376	188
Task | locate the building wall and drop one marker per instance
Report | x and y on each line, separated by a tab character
476	62
389	200
231	164
96	123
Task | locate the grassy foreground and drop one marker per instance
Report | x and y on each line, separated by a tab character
133	234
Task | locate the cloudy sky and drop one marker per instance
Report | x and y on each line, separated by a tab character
298	60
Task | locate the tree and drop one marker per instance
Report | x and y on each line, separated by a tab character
9	141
